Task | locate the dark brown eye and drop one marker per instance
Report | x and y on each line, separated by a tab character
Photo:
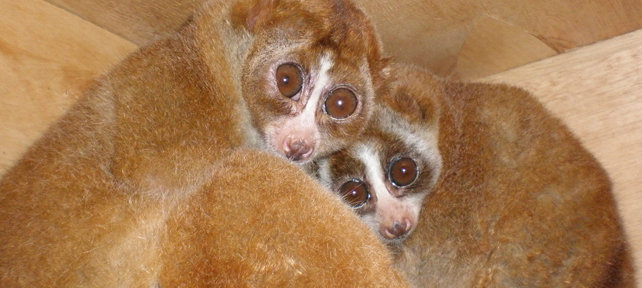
341	103
355	193
288	80
403	172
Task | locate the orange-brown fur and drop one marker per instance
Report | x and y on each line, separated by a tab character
520	202
134	186
248	228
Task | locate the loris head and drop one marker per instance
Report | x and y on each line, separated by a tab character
310	74
388	172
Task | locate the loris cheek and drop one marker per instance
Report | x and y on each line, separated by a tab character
293	137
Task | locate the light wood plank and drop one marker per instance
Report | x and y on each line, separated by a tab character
429	33
139	21
494	46
47	56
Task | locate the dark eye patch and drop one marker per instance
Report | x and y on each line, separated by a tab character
289	79
355	193
341	103
403	171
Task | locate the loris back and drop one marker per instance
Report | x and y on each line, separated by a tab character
520	202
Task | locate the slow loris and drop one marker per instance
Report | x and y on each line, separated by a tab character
519	202
88	204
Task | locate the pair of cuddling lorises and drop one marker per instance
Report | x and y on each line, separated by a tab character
149	180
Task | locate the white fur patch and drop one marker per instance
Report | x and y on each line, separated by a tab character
322	80
374	173
303	126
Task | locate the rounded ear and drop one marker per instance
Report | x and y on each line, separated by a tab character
413	93
248	14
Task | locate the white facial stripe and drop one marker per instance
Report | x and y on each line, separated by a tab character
374	173
307	117
322	80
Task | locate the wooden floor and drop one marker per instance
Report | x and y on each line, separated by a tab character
47	56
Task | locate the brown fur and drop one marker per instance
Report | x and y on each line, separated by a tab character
520	202
126	187
247	228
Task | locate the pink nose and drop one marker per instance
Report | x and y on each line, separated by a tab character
297	149
399	229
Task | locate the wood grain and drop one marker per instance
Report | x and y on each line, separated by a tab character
597	91
429	33
139	21
432	33
494	46
47	56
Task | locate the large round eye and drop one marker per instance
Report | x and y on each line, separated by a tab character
355	193
289	79
403	172
341	103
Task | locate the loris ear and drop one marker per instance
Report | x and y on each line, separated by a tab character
248	14
353	31
412	92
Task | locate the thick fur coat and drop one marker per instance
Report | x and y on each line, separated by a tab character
135	187
519	203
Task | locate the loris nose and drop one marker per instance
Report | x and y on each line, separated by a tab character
297	149
398	229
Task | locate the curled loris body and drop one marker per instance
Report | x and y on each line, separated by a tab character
113	194
519	202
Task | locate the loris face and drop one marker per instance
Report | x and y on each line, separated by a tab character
385	177
308	82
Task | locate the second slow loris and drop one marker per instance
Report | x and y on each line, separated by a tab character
519	202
